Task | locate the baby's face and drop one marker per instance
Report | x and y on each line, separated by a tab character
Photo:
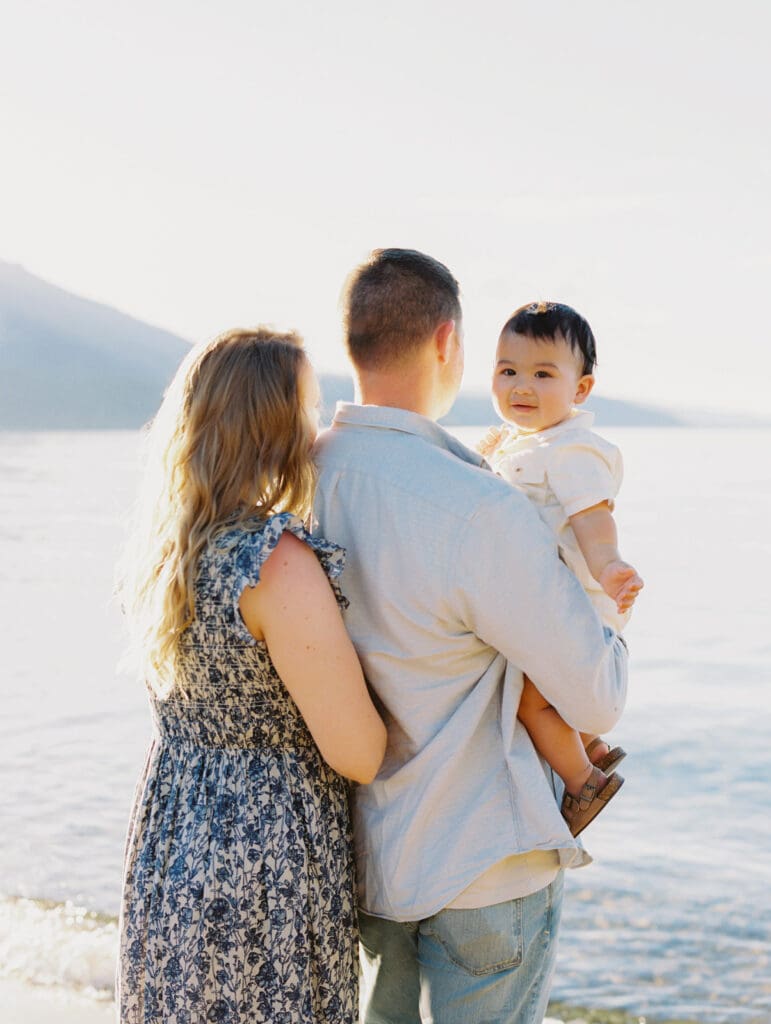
536	383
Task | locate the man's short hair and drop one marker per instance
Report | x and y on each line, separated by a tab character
548	321
393	303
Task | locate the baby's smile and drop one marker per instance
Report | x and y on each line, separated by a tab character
537	381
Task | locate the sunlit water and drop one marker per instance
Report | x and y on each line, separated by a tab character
672	919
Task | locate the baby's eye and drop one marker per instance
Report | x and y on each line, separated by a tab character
542	373
508	372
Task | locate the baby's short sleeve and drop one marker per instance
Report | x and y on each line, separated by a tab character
583	470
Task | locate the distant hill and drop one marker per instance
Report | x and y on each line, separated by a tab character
67	363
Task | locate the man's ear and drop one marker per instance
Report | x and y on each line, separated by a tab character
584	388
443	336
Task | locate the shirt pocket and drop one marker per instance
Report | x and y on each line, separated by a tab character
481	941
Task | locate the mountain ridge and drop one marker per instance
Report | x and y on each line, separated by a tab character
71	363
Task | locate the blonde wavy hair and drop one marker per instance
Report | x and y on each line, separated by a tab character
230	444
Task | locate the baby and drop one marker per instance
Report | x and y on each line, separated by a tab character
543	370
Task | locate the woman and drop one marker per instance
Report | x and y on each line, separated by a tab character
238	894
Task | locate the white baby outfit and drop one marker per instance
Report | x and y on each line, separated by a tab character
565	469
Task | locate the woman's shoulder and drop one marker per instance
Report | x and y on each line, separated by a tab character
242	550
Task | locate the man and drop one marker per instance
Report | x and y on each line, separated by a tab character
456	589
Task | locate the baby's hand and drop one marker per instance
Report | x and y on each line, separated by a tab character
620	581
491	440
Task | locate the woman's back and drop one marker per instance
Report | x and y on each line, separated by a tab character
239	844
228	693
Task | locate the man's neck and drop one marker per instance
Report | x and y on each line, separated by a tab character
397	391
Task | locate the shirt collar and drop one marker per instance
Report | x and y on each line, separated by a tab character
381	417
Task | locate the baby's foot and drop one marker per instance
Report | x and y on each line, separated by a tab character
603	756
580	809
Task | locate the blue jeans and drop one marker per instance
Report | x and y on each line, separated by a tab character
493	965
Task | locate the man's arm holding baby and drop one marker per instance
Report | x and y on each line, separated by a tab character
511	589
595	531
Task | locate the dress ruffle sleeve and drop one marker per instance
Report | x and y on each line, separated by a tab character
244	551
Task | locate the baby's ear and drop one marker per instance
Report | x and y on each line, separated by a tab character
583	388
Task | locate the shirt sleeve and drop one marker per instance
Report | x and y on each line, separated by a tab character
519	598
584	472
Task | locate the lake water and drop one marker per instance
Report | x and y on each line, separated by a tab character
674	917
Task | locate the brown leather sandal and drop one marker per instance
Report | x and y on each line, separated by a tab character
608	762
596	794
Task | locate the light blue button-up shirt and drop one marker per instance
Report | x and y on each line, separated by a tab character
456	588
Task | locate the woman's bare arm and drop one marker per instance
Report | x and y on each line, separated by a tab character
293	608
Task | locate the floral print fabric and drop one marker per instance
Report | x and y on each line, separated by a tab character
238	898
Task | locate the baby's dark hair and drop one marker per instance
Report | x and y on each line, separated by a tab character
548	320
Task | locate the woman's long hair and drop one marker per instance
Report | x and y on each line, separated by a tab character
230	442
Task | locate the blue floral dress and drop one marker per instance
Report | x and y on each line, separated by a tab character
238	900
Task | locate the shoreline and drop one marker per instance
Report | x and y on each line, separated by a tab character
564	1013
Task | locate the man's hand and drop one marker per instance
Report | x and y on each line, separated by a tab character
620	581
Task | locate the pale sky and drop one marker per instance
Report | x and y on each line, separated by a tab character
200	166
